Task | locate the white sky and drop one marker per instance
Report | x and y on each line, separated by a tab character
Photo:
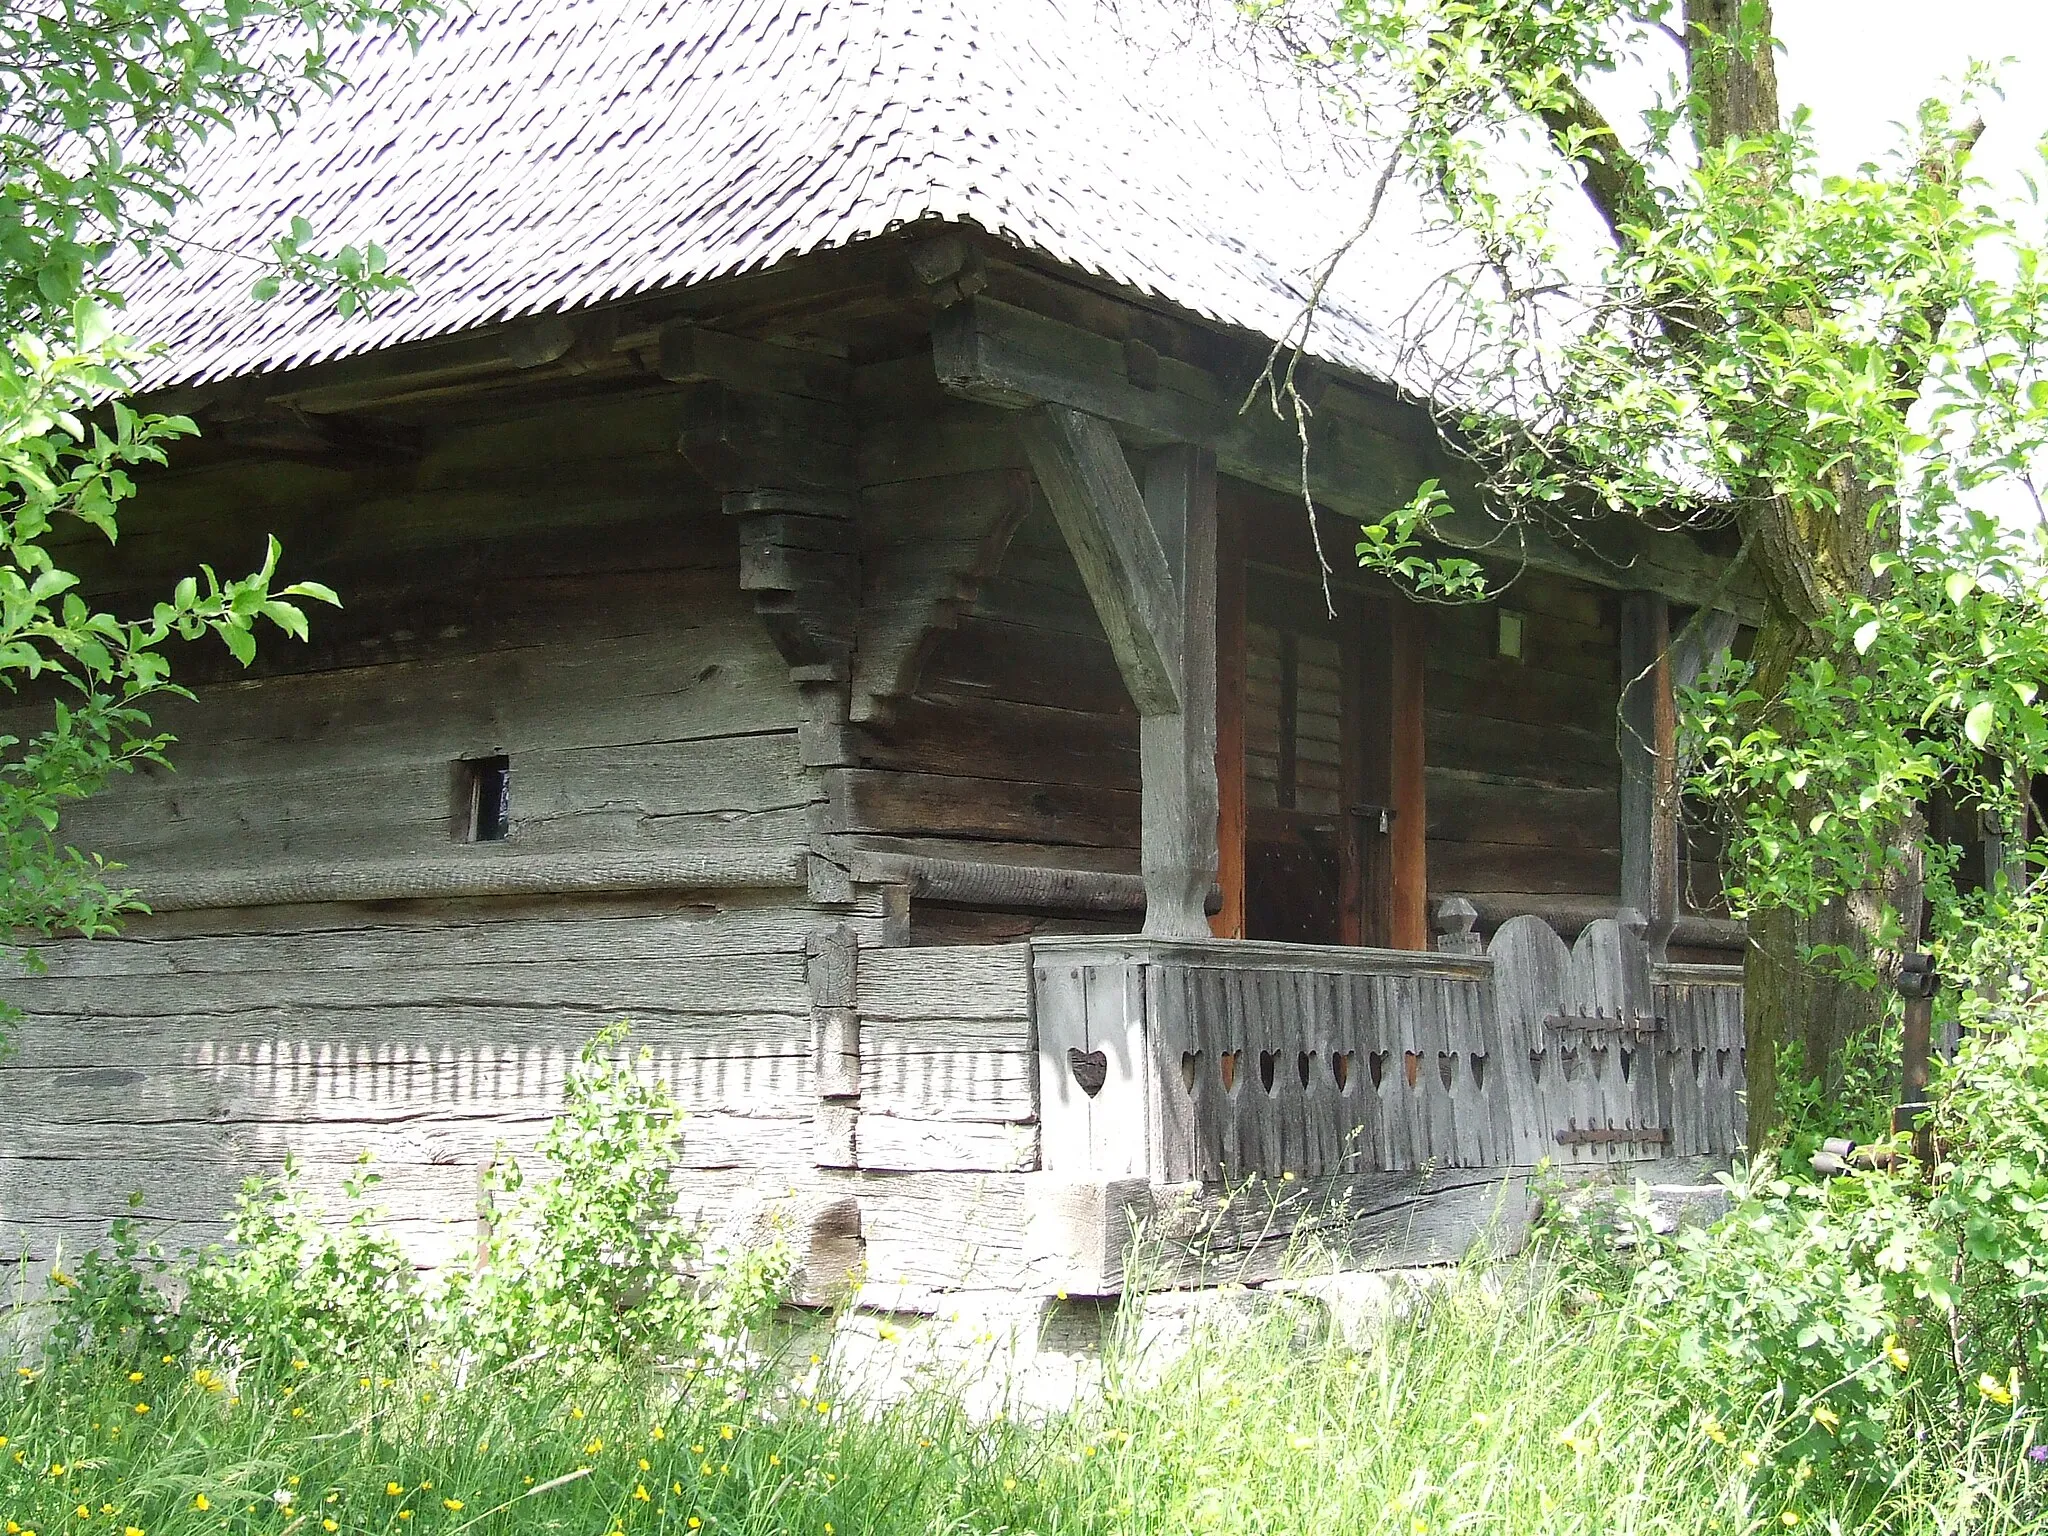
1864	64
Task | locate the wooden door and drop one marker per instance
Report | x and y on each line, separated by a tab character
1317	734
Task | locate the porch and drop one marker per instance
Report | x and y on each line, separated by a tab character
1401	1096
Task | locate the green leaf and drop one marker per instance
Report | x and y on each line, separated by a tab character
1959	585
1866	636
1978	722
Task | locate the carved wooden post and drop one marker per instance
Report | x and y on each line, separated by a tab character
1178	751
1455	919
1649	767
1148	560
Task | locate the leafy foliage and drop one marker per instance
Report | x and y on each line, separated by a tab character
1670	315
586	1263
591	1258
101	103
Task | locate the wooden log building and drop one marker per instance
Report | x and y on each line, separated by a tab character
811	589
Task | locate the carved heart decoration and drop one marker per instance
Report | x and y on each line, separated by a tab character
1091	1069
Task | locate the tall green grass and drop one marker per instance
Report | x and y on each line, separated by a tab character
1501	1404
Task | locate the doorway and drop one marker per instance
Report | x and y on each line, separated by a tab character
1319	812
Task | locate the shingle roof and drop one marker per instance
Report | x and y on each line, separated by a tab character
548	154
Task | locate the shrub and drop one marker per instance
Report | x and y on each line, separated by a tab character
583	1263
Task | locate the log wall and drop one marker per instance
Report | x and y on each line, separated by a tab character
1524	772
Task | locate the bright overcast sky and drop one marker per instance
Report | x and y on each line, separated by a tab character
1864	64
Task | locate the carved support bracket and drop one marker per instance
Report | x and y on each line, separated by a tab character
783	464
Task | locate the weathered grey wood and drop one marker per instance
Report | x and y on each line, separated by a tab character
1178	750
1649	809
689	354
1002	885
1083	472
896	1143
833	963
927	549
1078	1233
1014	358
965	983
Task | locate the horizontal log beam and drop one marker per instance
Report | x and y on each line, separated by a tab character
485	874
1001	354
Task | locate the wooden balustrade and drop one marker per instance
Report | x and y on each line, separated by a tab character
1211	1060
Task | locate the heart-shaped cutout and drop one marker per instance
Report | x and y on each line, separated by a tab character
1091	1069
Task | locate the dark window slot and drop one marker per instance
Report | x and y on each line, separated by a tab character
483	799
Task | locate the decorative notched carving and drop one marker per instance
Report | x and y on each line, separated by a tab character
800	559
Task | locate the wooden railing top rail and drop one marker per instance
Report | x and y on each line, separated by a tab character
1697	975
1264	955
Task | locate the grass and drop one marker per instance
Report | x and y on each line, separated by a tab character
1493	1409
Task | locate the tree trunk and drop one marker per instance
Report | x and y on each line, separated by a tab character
1807	562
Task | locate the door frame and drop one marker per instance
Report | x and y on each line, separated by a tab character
1389	682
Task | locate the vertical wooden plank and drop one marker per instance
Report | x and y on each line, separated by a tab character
1063	1110
1268	1032
1228	923
1171	1104
1177	752
1211	1109
1408	884
1117	1118
1392	1088
1369	768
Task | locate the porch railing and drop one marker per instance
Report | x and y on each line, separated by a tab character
1210	1060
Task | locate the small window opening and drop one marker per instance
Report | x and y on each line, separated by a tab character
483	799
1508	644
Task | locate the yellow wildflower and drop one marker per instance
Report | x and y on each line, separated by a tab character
83	1512
646	1465
1009	1485
1896	1355
298	1413
135	1375
63	1279
405	1514
658	1433
57	1469
774	1460
575	1412
640	1492
695	1522
299	1365
393	1489
201	1502
593	1448
453	1506
1825	1416
133	1530
1789	1519
823	1406
676	1488
330	1524
1751	1460
725	1431
1994	1389
142	1407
